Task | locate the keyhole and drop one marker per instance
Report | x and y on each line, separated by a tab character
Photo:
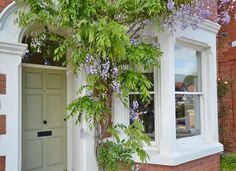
45	122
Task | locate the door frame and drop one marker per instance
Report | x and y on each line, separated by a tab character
68	96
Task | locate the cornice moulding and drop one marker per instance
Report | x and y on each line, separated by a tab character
13	48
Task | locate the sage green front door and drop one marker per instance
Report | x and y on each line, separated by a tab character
43	125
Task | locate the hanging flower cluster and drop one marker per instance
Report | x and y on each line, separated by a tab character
187	15
225	8
134	114
38	42
94	66
192	14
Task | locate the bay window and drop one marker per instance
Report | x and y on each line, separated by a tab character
181	116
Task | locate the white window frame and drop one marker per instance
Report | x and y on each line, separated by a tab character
195	47
204	50
156	93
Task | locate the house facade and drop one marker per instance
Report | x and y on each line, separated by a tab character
182	122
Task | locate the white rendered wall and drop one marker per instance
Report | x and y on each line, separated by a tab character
10	59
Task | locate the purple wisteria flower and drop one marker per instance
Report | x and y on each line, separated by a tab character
135	105
188	15
225	18
146	22
92	65
116	86
170	5
226	6
114	72
134	114
133	41
88	93
224	1
105	70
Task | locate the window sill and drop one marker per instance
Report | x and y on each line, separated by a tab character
184	152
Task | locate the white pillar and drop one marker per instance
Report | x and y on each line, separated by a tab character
10	60
167	96
82	151
211	96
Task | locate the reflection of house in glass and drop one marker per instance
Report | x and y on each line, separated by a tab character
187	118
188	83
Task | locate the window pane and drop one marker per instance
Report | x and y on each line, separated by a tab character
187	115
144	112
187	70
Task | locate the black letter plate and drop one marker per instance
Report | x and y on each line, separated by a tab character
44	133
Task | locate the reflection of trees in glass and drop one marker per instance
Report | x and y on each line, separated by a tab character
183	104
145	111
180	111
189	81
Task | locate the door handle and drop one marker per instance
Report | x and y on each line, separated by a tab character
45	122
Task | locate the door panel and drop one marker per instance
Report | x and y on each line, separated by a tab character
44	129
33	147
55	154
55	81
33	80
33	111
55	111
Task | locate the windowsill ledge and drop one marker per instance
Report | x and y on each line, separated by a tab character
183	153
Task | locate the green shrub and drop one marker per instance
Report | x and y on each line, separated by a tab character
228	162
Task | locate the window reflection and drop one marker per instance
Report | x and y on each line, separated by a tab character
187	115
187	91
187	70
144	111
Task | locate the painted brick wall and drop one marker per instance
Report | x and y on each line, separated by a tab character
227	72
2	125
2	83
2	118
2	92
4	3
210	163
2	163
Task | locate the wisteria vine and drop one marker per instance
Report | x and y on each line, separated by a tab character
105	39
197	11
